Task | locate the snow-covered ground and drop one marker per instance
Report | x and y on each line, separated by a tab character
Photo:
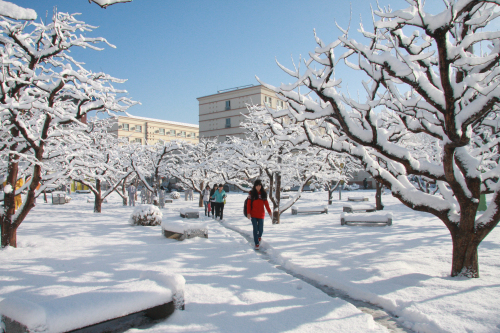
404	268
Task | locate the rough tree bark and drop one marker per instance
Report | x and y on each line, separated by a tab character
378	196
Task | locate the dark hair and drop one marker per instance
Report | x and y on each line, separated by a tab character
254	195
221	185
215	186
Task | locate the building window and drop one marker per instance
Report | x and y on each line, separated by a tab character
138	128
228	122
125	127
183	134
228	105
162	131
268	101
137	140
172	132
280	104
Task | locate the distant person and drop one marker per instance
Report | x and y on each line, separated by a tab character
131	195
212	200
143	195
206	199
219	196
255	209
365	184
161	198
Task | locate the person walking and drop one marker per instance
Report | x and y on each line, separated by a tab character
161	198
255	208
219	196
212	201
206	199
365	183
131	195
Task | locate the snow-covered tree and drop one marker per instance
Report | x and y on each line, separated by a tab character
194	166
99	161
42	88
438	76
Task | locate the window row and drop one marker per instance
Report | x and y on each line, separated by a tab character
160	131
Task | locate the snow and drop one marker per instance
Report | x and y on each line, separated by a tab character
180	225
7	189
368	217
14	11
83	309
68	251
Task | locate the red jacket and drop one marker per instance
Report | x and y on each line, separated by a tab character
256	208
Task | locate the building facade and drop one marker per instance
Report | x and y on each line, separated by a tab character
149	131
221	114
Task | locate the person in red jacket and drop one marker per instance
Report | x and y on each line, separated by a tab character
255	208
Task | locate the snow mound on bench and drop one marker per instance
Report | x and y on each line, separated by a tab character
366	217
80	310
180	225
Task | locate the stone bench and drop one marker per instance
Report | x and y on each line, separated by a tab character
93	200
101	310
357	199
82	191
189	213
169	201
366	218
181	230
310	210
348	208
285	196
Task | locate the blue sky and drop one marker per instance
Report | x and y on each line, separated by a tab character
172	52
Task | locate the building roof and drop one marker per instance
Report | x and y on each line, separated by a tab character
232	90
160	121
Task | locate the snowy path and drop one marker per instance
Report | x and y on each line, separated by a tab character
380	316
68	249
403	269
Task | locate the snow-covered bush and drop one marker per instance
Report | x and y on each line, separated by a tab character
175	195
146	215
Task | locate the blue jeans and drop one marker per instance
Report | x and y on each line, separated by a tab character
258	229
206	207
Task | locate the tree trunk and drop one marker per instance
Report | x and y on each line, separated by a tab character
44	196
202	188
9	233
378	196
276	212
97	195
124	196
465	261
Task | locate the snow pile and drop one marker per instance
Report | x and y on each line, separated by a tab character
180	226
7	189
175	195
14	11
175	282
88	308
366	217
146	215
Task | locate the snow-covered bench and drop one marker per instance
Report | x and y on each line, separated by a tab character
188	213
366	218
310	210
357	199
82	191
91	200
180	229
59	198
169	201
286	196
154	295
349	208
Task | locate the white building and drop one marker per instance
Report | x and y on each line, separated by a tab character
221	114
